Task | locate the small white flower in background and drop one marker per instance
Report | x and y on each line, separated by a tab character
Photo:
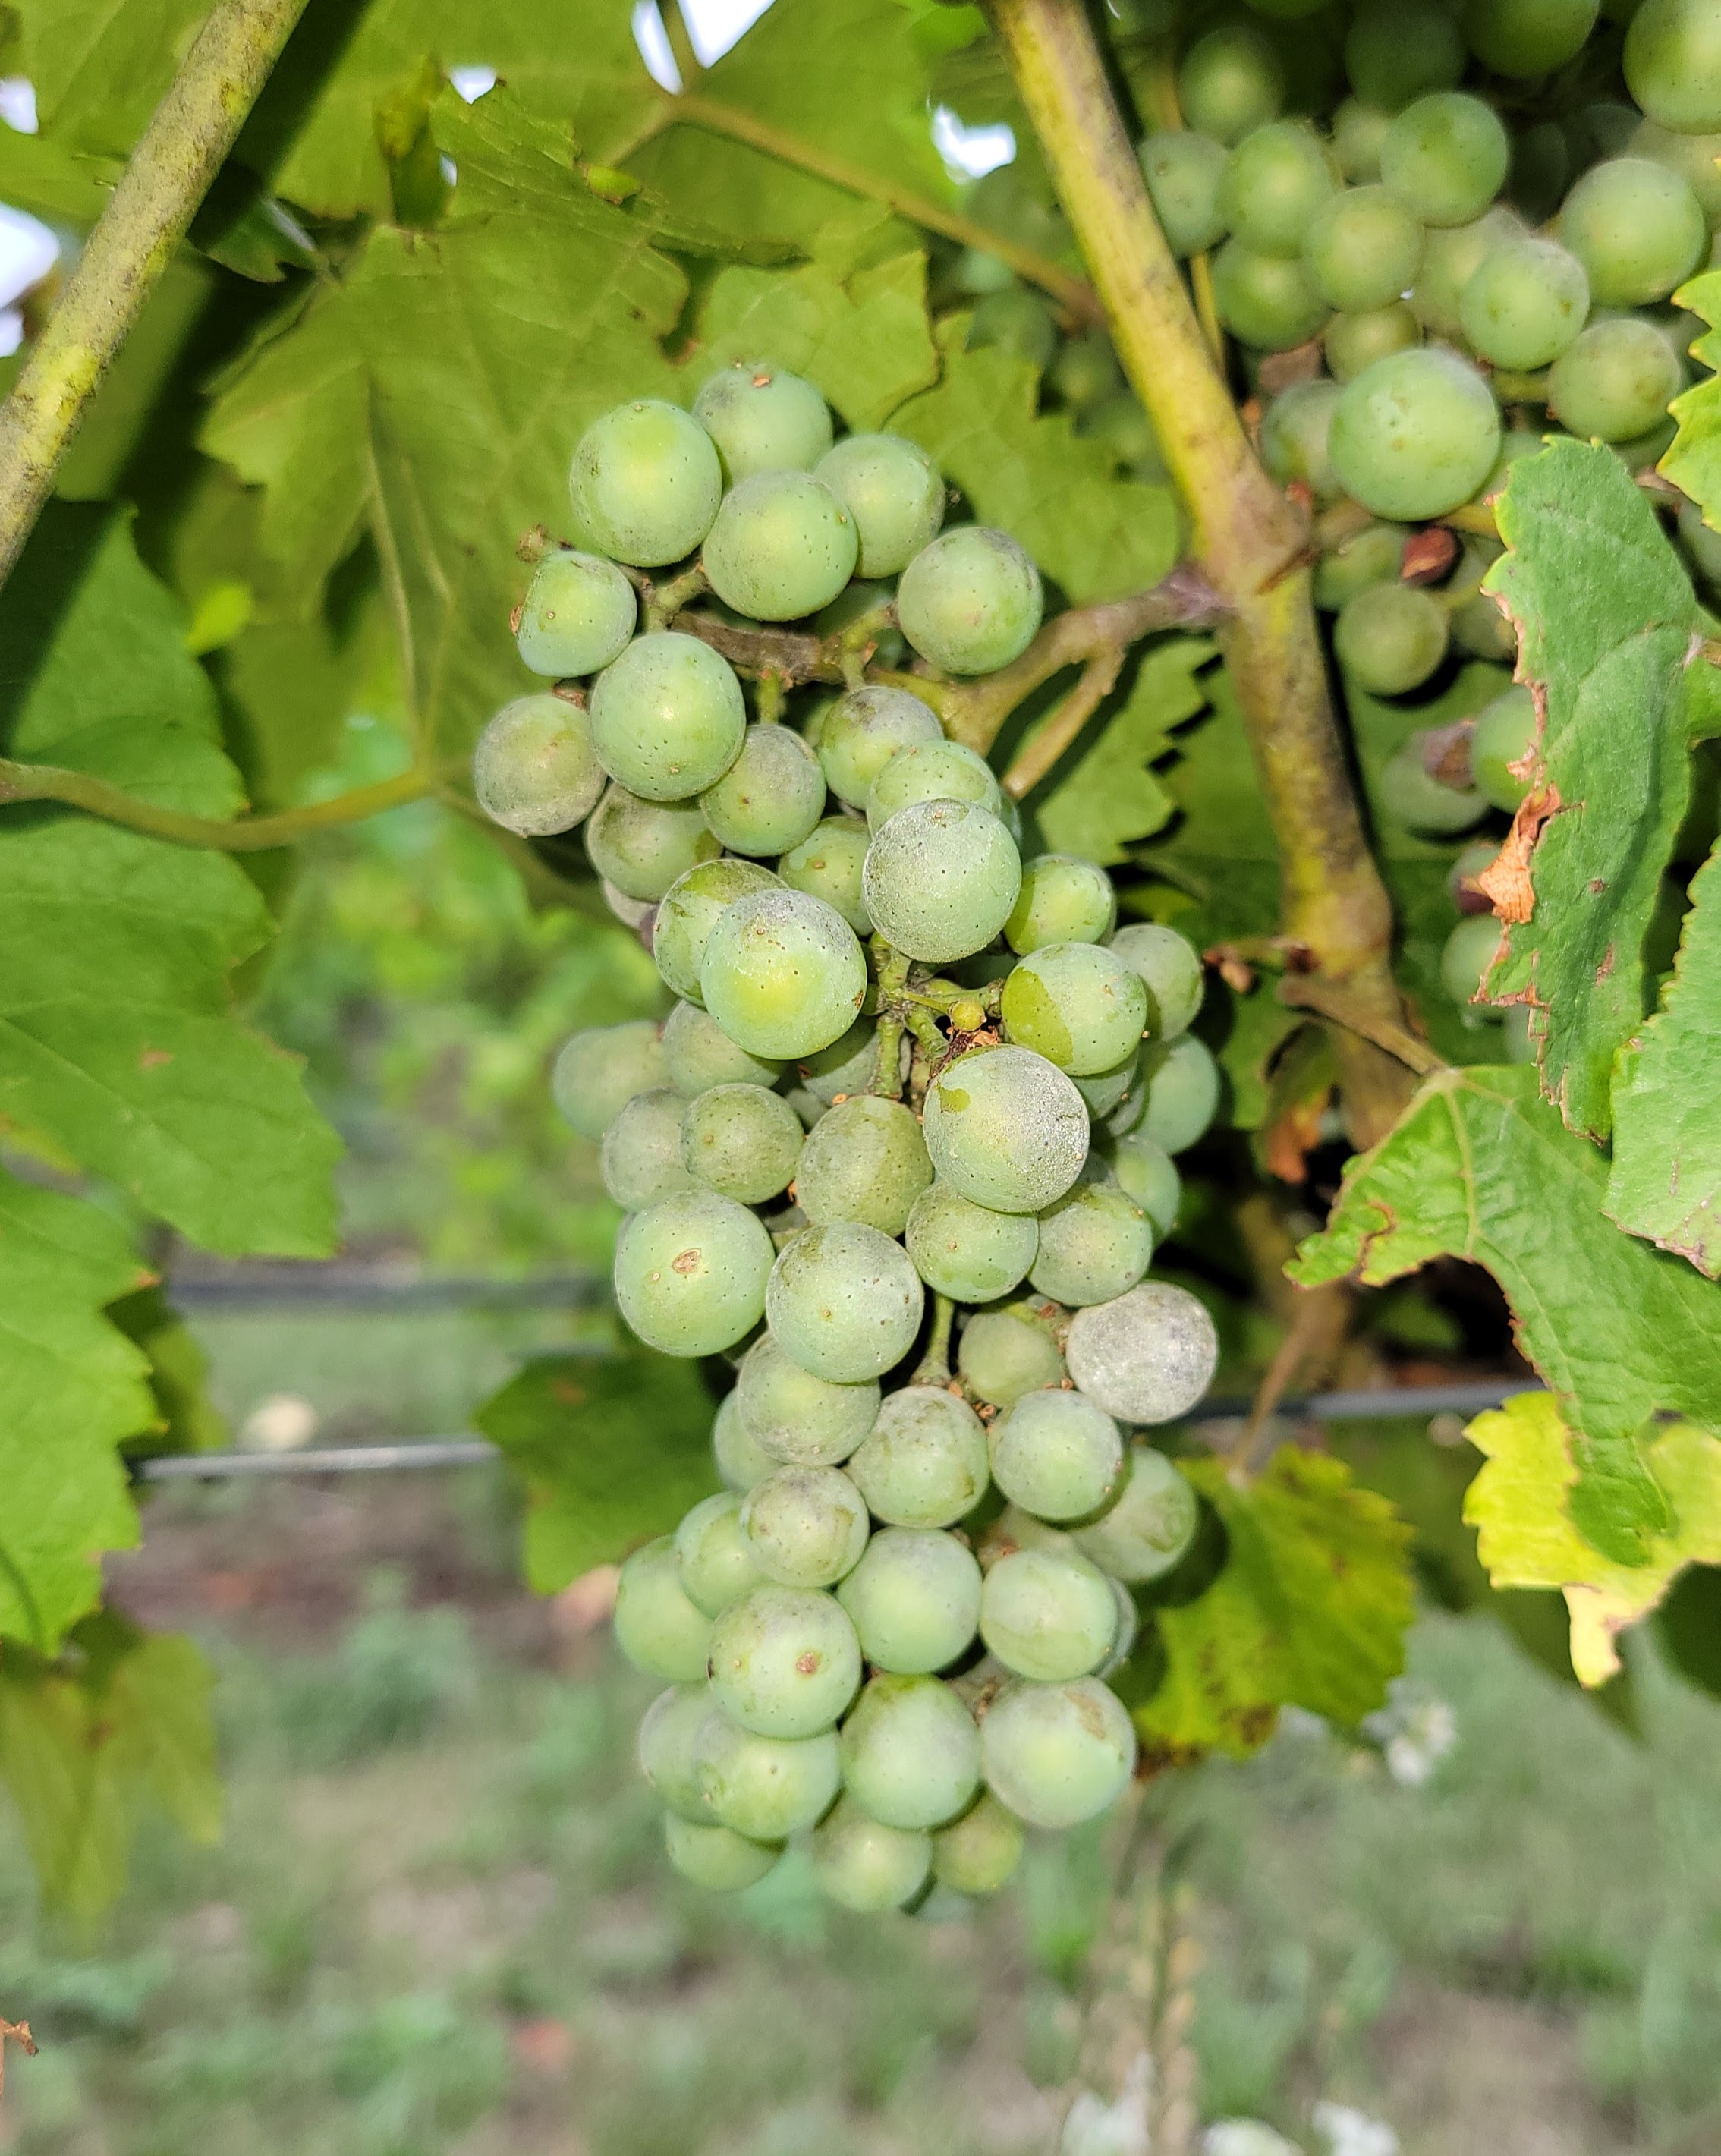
1414	1731
1094	2128
1245	2137
283	1422
1353	2132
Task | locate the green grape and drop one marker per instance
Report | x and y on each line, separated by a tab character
1639	451
1170	968
771	798
1372	555
1275	181
1126	430
1541	169
799	1418
1504	733
699	1055
1673	64
854	601
689	910
866	1161
642	846
1018	322
931	770
1450	259
763	419
1358	130
784	1661
1402	50
894	492
1390	638
579	612
1616	381
645	483
1103	1090
940	879
807	1525
1061	900
1267	302
766	1786
848	1066
862	733
1181	1092
910	1752
1445	157
715	1857
1363	247
923	1462
979	1852
1055	1454
783	545
1079	1005
1462	886
534	769
691	1273
1006	1129
657	1627
1147	1172
1693	156
739	1141
640	1158
1477	625
1183	170
631	912
844	1302
1529	38
1637	228
1086	371
1231	81
1414	435
1412	797
600	1071
669	1732
967	1251
1147	1358
1002	1356
717	1561
1048	1616
1094	1242
914	1600
1057	1754
1525	304
1148	1525
1466	954
866	1865
970	601
1293	438
1701	546
827	865
742	1461
782	974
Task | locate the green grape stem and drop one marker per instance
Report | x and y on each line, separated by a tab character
933	1367
246	835
664	601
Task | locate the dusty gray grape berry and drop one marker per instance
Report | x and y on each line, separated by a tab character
1146	1357
600	1070
1095	1243
940	878
784	1661
534	768
807	1526
866	1161
968	1251
741	1140
848	1066
931	770
1048	1615
1057	1754
796	1417
863	731
741	1459
1006	1128
771	798
844	1302
782	974
699	1055
910	1752
914	1599
642	846
923	1463
1002	1356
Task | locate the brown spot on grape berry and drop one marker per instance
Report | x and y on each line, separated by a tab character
807	1665
684	1262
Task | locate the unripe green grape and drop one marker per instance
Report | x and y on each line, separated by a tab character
1266	301
715	1857
579	612
1467	955
601	1068
691	1273
1183	170
1079	1005
689	910
1638	452
784	1661
699	1055
914	1600
940	879
923	1462
1006	1128
910	1752
1616	381
931	770
970	601
1275	181
866	1161
1372	555
1017	321
827	865
1504	734
1637	228
844	1302
665	1747
894	492
1086	371
1169	966
967	1251
1363	247
848	1066
1055	1454
1147	1358
1105	1091
1396	53
1358	130
1231	81
864	730
764	1786
807	1525
770	798
1061	900
1529	38
534	769
1701	545
1390	638
1445	157
1057	1754
1467	864
657	1627
1048	1616
783	545
645	483
640	1159
642	846
1147	1172
742	1461
1693	156
1293	438
979	1852
1411	796
631	912
763	419
796	1417
1451	258
668	717
1525	304
1094	1242
1354	341
1414	435
739	1141
1148	1526
782	974
866	1865
715	1559
1182	1089
1673	64
1127	431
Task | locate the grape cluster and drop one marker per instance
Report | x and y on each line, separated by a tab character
891	1628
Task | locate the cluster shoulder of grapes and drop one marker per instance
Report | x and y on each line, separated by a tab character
906	1074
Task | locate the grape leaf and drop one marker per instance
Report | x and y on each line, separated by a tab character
1665	1179
1694	462
186	1420
1107	797
1220	855
1606	619
1310	1609
1519	1504
121	1722
613	1450
1480	1167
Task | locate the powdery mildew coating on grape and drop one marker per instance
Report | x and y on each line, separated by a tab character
669	1731
914	1599
1057	1754
1048	1615
646	483
894	492
770	798
603	1067
784	1661
1094	1242
1416	436
844	1302
979	1852
864	1161
579	612
766	1788
866	1865
910	1752
716	1561
657	1627
1061	900
741	1459
967	1251
742	1141
642	846
807	1525
699	1055
793	1416
715	1857
1057	1454
668	716
691	1273
940	879
782	974
971	601
1078	1004
640	1157
688	912
1006	1128
931	770
534	768
1149	1524
863	731
828	863
763	419
1002	1356
923	1464
1147	1358
783	545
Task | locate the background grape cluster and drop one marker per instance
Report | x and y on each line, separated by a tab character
892	1627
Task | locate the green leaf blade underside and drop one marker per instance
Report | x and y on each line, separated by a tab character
1694	462
1101	802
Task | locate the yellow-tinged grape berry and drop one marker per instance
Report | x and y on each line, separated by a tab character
1062	899
1638	229
1393	53
1268	301
1275	182
1293	438
1673	64
646	483
1615	381
1529	38
1363	247
782	974
1231	81
1390	638
1354	341
1079	1005
979	1852
1170	968
1525	304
